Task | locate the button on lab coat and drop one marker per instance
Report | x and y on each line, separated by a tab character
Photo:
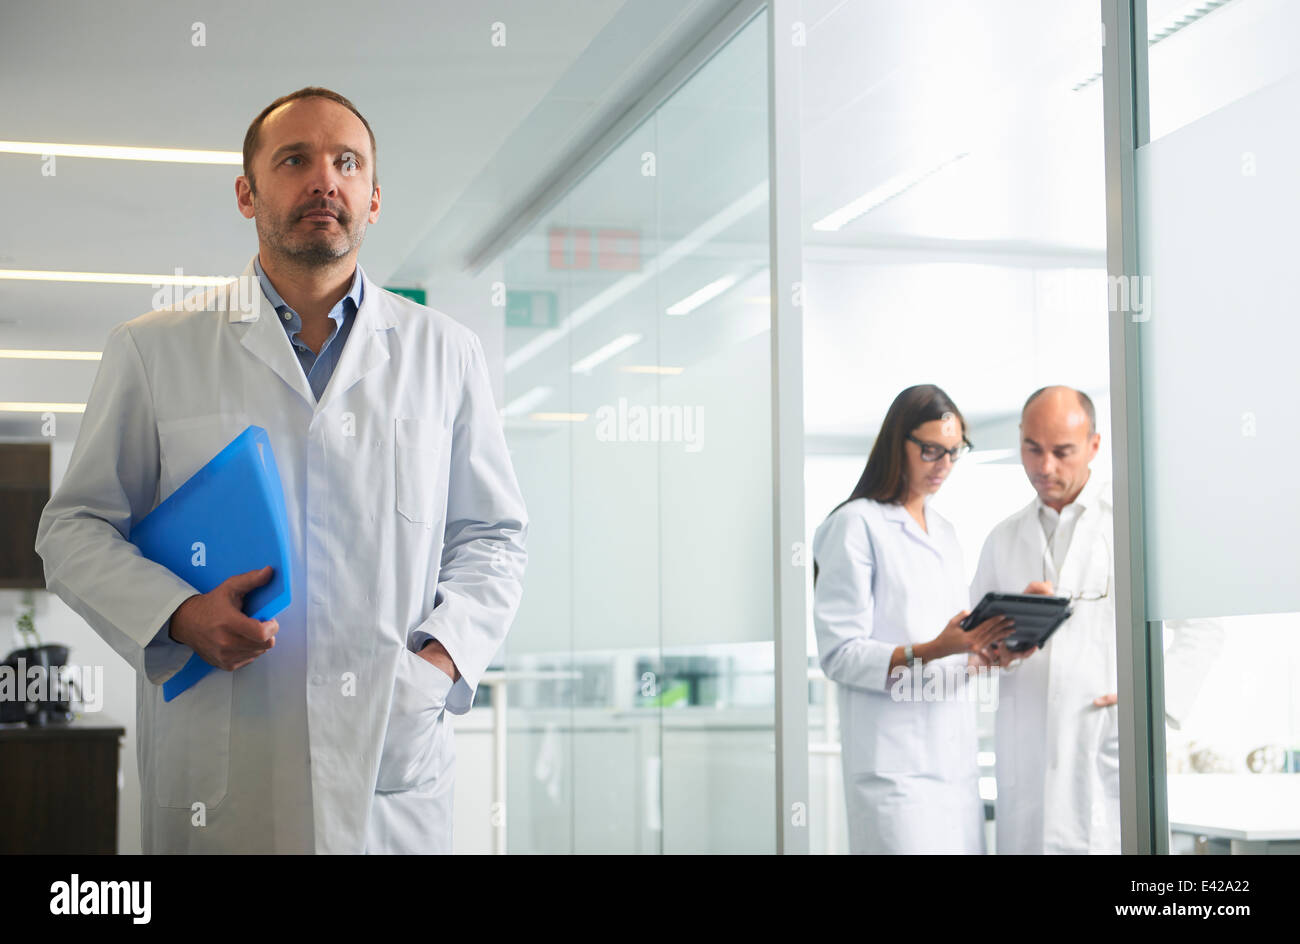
1058	754
910	767
405	522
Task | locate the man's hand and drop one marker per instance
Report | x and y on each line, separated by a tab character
1105	701
998	654
435	653
1003	657
213	624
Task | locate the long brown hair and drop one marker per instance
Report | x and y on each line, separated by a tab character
885	477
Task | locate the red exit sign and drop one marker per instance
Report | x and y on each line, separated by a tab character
579	247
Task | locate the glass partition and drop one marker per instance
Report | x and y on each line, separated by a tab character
1217	191
639	673
954	219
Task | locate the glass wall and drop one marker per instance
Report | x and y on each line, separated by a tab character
954	224
1217	192
639	673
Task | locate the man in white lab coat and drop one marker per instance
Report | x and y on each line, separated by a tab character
323	730
1057	742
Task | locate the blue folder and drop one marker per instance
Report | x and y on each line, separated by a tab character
234	505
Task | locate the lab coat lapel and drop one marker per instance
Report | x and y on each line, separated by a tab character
904	519
365	350
367	346
1077	570
1087	559
263	337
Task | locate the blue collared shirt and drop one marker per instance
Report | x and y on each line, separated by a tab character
318	368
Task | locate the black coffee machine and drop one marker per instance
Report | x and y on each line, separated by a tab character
39	705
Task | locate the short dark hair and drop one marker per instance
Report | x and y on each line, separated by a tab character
311	91
1085	402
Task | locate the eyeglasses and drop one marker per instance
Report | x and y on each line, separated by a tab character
1088	596
930	452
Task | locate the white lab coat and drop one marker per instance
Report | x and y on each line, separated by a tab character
405	521
1058	754
911	776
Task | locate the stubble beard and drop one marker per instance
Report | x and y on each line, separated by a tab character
312	249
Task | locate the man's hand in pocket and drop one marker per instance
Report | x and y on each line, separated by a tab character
436	654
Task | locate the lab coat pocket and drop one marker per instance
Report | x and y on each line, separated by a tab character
412	754
898	736
191	743
417	467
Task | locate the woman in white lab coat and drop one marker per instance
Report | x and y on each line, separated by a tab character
888	579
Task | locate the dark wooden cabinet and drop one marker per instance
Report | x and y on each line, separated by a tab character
58	788
24	493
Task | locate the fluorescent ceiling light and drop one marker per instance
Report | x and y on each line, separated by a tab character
698	298
650	369
599	356
522	404
1177	24
113	278
891	188
17	406
112	152
1182	21
558	417
18	354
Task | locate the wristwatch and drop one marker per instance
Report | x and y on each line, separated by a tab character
907	655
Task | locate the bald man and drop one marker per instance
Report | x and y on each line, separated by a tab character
1057	741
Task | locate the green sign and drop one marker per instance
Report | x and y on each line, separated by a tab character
414	294
531	309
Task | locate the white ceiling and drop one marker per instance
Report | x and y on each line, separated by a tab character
937	285
466	131
891	88
887	87
988	276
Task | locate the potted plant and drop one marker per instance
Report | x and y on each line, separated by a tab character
51	659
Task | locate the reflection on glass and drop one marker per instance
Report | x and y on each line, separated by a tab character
1216	189
1233	744
638	415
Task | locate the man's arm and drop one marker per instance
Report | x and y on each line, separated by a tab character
1195	648
480	581
110	484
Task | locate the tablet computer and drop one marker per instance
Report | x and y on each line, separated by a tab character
1036	616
